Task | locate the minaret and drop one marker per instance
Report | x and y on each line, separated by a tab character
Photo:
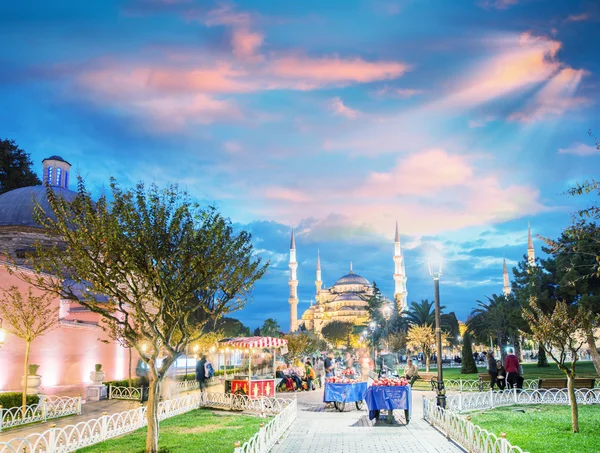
506	287
530	249
293	300
400	292
318	282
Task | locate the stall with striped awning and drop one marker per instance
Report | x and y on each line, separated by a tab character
255	342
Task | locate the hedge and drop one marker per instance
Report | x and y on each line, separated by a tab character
13	399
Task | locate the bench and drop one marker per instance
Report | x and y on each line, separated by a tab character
561	383
429	377
484	378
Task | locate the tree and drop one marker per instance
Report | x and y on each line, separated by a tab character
397	341
270	328
560	333
301	344
232	328
468	364
156	258
421	314
15	167
337	332
28	318
422	339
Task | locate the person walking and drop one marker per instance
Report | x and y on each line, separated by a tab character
329	365
492	369
511	364
310	374
201	373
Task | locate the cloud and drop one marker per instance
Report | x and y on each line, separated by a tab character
555	98
580	149
246	44
285	194
497	4
577	17
481	122
401	93
337	107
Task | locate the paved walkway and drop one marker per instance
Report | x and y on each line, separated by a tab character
324	430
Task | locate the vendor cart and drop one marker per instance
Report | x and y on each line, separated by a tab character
389	398
341	393
246	384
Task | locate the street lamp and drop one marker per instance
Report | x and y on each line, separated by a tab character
1	334
373	326
387	313
435	270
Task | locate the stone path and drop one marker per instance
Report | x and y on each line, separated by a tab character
325	430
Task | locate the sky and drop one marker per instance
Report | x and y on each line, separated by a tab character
461	120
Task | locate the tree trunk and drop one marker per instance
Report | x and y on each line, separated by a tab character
573	402
152	412
129	374
25	373
501	346
427	363
591	341
518	347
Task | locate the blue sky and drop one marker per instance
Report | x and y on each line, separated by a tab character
461	120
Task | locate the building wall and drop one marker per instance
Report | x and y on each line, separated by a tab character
66	355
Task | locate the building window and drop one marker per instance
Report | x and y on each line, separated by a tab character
58	174
49	178
66	179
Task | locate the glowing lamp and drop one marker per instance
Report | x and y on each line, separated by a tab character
435	267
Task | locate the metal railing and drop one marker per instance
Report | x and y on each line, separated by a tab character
135	393
48	408
473	438
73	437
477	385
269	434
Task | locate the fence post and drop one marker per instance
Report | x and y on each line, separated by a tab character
79	405
103	426
262	436
1	417
491	399
469	434
237	447
515	393
460	385
503	443
44	410
110	391
52	439
460	402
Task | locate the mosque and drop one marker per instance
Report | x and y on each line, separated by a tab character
347	299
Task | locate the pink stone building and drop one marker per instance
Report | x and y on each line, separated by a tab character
67	354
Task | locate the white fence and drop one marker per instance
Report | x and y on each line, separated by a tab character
472	437
270	433
124	393
48	408
489	400
476	385
74	437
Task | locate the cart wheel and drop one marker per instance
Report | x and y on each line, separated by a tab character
407	416
359	405
339	406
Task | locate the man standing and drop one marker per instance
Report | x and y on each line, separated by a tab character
411	372
329	365
201	373
492	369
511	364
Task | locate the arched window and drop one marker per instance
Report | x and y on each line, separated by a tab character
49	178
58	175
66	179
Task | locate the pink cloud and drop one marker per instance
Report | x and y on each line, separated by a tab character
577	17
580	149
246	44
335	70
226	14
337	106
285	194
555	98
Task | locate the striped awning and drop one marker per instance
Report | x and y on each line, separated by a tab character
255	342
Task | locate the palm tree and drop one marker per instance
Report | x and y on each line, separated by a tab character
421	314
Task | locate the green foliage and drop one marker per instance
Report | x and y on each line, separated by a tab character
15	167
468	364
13	399
199	431
135	382
336	332
301	344
543	428
33	369
231	327
270	328
422	313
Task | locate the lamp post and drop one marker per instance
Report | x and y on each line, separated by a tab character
373	326
435	269
387	313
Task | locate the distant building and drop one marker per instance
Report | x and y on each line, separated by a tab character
347	299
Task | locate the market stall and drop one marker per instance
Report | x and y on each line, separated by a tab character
247	384
389	394
344	389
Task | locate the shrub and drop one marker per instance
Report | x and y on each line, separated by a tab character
33	368
13	399
468	364
98	367
135	382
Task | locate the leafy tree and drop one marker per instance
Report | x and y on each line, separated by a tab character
560	333
422	339
15	167
231	328
28	318
302	344
270	328
397	341
337	332
421	314
256	332
450	326
156	257
468	363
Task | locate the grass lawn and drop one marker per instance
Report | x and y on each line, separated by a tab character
201	431
531	371
544	428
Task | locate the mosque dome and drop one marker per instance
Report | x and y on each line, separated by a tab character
56	158
348	297
17	207
352	279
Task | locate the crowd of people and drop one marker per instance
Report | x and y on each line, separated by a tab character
510	374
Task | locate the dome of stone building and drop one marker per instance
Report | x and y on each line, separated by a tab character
348	297
17	207
352	279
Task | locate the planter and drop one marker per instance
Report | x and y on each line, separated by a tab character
33	383
97	377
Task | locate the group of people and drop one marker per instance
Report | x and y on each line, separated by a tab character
507	375
297	377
